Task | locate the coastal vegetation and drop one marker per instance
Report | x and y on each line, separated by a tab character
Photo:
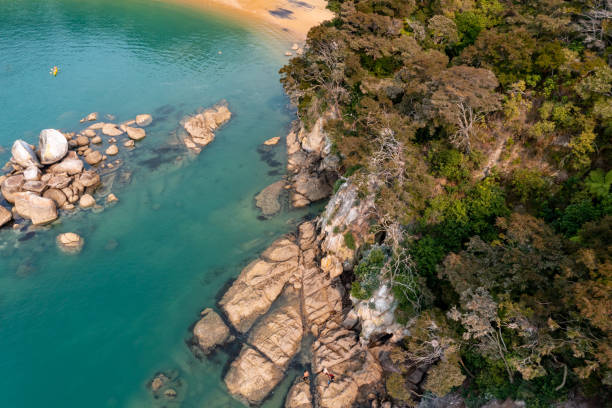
481	130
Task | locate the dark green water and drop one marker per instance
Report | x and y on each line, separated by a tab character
90	330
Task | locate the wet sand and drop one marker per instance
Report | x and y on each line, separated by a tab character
294	17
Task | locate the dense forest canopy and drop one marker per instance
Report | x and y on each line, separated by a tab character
483	129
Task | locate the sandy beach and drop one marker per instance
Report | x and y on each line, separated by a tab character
295	17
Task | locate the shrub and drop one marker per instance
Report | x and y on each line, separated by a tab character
451	164
528	185
367	274
349	240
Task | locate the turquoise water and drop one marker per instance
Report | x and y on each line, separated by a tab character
91	330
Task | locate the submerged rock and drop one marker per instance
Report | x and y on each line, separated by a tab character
144	120
23	154
52	146
268	199
39	210
70	242
210	331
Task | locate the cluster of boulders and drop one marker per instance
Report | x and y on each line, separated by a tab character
63	170
200	128
312	168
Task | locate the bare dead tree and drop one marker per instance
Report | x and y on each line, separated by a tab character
592	24
327	72
466	120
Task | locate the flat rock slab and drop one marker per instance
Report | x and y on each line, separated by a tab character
259	284
252	376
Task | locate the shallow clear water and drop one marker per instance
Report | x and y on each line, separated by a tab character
90	330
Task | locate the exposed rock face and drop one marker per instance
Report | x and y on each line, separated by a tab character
357	372
201	127
268	199
299	396
260	283
210	331
252	376
5	216
346	213
313	170
377	314
52	145
144	120
70	242
23	154
38	209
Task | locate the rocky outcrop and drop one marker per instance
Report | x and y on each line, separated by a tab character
210	331
143	120
259	284
201	127
38	209
268	199
52	146
71	165
313	170
377	315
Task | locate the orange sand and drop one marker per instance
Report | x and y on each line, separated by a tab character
295	17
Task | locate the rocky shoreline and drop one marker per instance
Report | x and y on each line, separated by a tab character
292	302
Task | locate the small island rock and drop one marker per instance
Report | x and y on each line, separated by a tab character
112	150
70	242
135	133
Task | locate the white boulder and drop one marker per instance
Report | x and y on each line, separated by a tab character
23	154
52	146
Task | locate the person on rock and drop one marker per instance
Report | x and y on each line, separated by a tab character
306	377
330	376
